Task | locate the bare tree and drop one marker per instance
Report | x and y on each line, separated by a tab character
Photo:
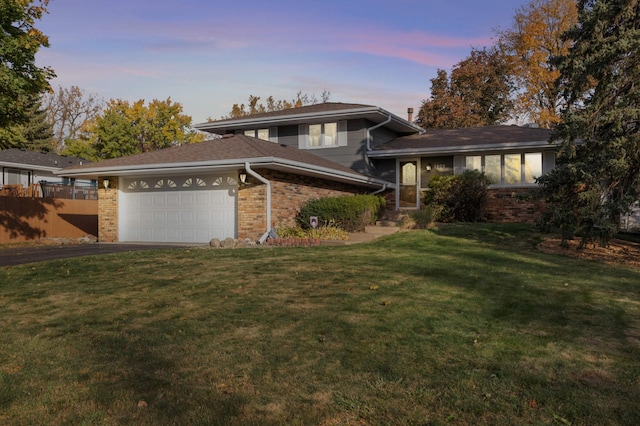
68	110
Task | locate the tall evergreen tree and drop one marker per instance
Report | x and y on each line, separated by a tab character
35	134
598	175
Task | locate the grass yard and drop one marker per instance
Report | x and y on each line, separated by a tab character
467	324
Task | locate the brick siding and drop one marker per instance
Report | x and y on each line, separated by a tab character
509	205
289	193
108	211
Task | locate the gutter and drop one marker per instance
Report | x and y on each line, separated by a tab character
452	150
247	167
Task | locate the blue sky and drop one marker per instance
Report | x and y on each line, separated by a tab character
210	54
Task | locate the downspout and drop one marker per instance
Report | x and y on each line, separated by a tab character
387	121
384	188
247	167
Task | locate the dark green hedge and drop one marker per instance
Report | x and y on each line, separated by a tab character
351	213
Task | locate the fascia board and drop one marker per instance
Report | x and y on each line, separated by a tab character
23	166
302	118
154	168
190	167
461	149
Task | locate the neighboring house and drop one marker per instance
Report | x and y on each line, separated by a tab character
193	193
27	167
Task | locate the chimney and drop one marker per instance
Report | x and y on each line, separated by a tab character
410	115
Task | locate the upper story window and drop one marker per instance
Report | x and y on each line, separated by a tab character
322	135
508	169
270	134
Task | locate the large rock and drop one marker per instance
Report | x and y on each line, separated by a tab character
228	243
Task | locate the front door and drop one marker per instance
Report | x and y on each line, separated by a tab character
408	184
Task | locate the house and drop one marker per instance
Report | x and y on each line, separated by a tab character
264	167
20	167
231	187
27	169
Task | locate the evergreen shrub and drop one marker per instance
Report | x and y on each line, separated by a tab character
350	213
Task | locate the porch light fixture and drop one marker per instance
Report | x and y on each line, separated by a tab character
429	167
105	182
243	178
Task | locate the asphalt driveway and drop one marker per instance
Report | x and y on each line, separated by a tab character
40	253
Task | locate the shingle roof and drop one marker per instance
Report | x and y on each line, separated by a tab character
31	158
234	148
308	114
489	135
309	109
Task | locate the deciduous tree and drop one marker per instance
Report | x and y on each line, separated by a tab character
124	129
254	107
534	38
477	94
598	175
68	110
20	40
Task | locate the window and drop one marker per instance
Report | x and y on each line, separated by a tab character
260	134
493	168
512	170
323	135
532	166
507	169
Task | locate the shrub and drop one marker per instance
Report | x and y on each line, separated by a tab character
420	219
350	213
328	231
458	197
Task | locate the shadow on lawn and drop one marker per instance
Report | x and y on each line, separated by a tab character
581	313
135	364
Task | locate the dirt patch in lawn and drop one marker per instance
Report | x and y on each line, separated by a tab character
617	252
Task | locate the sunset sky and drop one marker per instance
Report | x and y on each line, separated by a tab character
209	54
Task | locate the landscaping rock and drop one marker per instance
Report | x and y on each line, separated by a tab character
228	243
215	243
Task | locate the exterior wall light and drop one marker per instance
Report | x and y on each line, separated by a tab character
105	183
429	167
243	178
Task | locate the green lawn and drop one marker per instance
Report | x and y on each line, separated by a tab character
467	324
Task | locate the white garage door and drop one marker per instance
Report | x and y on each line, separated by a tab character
187	209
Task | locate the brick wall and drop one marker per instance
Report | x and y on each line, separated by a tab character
289	193
108	210
507	205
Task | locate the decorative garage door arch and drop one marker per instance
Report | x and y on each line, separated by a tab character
180	209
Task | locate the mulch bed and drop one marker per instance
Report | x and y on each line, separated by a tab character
617	252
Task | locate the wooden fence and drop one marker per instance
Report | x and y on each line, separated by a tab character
30	219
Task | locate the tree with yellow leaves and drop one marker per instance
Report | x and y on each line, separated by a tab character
126	129
529	45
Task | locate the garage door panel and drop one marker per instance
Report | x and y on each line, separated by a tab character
154	212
